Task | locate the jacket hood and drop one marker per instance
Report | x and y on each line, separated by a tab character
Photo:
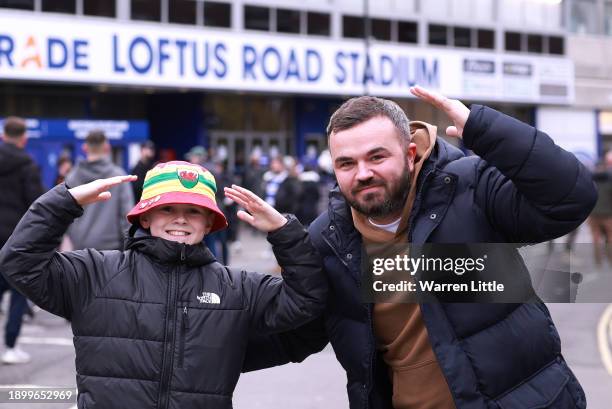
441	154
168	252
12	157
88	171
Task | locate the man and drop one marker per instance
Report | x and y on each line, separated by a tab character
20	185
282	187
103	225
145	164
197	155
398	183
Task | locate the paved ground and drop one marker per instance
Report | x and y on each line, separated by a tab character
319	382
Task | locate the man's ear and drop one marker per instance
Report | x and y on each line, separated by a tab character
411	155
145	220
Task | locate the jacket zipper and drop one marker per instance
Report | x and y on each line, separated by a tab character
334	250
372	356
170	336
184	328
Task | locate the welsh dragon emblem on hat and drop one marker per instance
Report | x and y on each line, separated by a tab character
187	177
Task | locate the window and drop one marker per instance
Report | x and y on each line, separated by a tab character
257	18
182	11
217	14
103	8
513	41
438	34
146	10
485	38
535	43
59	6
318	24
18	4
287	21
556	45
583	16
608	18
353	27
462	37
407	32
381	29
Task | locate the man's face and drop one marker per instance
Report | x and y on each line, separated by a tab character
276	165
373	168
147	153
183	223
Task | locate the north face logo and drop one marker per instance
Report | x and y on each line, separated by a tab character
209	298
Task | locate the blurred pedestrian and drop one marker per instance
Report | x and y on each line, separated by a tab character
600	220
272	179
282	187
145	163
64	166
103	224
20	185
290	190
253	174
310	195
196	155
218	241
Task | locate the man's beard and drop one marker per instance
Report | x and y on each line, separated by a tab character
392	202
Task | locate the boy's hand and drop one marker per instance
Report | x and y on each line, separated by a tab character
262	216
97	191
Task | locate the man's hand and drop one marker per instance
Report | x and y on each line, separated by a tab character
262	216
97	191
454	109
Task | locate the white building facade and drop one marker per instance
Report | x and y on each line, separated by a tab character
253	74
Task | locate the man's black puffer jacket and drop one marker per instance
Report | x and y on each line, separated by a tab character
162	324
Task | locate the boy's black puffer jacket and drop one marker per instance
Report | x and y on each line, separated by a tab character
162	324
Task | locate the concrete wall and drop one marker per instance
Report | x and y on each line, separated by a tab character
592	57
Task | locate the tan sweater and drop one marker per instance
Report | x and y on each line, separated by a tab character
418	381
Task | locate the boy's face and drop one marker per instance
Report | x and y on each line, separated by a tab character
183	223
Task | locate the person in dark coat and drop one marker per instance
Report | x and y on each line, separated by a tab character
289	187
145	164
399	183
310	181
20	185
162	324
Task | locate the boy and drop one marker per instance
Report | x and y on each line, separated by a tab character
162	324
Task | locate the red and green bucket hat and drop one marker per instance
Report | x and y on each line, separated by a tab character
179	182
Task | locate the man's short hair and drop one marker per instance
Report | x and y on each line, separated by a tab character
361	109
95	138
14	127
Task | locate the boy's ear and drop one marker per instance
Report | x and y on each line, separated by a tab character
209	222
209	225
145	220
